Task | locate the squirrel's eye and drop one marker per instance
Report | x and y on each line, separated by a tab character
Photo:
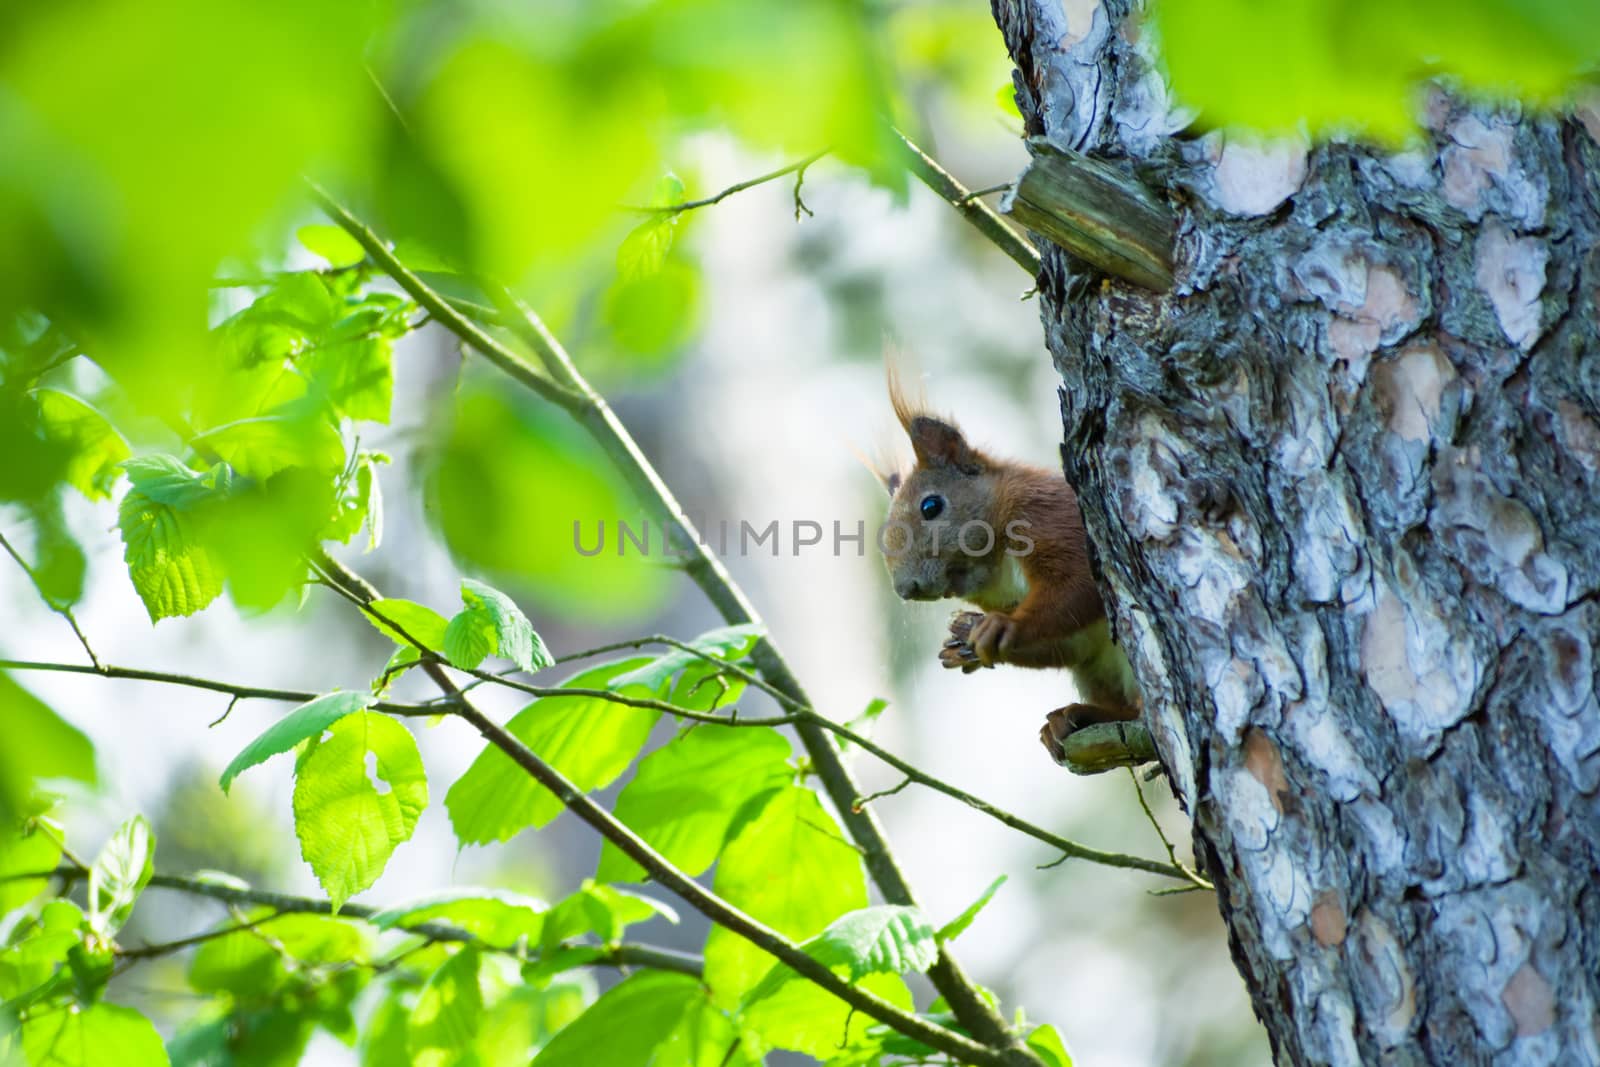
932	506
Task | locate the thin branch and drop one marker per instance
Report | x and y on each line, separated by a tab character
805	716
440	308
981	215
862	802
239	692
624	954
736	187
60	609
1172	853
566	387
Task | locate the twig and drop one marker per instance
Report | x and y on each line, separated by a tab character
60	609
625	954
981	215
241	692
862	802
1172	853
736	187
799	181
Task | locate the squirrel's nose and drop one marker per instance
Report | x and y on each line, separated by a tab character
907	588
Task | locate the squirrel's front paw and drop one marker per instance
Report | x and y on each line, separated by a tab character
957	650
976	640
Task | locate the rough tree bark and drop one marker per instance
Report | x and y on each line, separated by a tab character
1343	480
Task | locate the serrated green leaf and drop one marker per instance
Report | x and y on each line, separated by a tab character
469	639
102	1035
96	449
447	1014
38	744
626	1025
418	621
332	244
513	635
602	910
589	740
262	446
728	643
496	917
684	796
305	722
886	939
172	569
957	926
348	827
119	875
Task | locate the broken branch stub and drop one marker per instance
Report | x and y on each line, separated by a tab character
1096	212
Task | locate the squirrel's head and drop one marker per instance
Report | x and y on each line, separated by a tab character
940	539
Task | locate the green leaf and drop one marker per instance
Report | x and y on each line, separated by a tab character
626	1025
37	951
418	621
590	740
496	917
27	850
305	722
1048	1044
514	637
356	376
101	1035
1335	66
38	744
279	953
332	244
119	875
957	926
262	446
384	1043
602	910
348	826
886	939
789	865
468	640
645	248
447	1015
728	643
684	796
172	570
96	449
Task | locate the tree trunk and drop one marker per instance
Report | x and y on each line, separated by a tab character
1343	483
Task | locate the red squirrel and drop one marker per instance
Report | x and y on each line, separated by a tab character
1006	537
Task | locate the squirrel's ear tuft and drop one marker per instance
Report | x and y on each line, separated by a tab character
939	444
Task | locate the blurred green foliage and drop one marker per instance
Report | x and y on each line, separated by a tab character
1337	66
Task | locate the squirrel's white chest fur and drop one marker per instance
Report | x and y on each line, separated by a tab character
1009	587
